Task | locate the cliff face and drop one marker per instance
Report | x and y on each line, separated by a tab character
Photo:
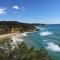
14	26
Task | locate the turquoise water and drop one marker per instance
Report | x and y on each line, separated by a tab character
48	38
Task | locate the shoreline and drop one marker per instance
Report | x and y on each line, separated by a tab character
7	35
15	37
12	34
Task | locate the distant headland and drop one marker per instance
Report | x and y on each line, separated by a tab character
14	26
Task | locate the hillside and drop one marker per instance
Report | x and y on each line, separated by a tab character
14	26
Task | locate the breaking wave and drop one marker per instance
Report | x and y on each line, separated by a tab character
45	33
53	47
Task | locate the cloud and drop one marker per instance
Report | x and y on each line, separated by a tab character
2	11
16	7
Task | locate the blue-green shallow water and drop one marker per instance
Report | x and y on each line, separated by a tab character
48	38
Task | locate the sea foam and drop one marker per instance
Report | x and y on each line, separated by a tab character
53	47
45	33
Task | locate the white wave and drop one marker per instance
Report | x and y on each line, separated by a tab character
24	34
45	33
53	47
37	27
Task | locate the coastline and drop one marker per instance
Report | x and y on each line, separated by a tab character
15	37
7	35
12	34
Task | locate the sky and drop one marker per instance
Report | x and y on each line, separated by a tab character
30	11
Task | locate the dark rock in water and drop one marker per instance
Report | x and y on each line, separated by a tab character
37	29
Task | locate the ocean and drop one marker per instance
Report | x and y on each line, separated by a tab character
47	37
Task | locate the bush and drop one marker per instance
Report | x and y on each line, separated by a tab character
22	52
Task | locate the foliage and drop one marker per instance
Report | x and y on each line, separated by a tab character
8	26
22	52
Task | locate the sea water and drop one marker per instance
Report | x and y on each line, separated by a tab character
48	38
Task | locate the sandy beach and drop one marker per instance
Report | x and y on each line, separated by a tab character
7	35
13	35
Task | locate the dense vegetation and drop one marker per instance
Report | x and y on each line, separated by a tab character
21	52
13	26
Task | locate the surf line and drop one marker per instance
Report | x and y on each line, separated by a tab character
53	47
